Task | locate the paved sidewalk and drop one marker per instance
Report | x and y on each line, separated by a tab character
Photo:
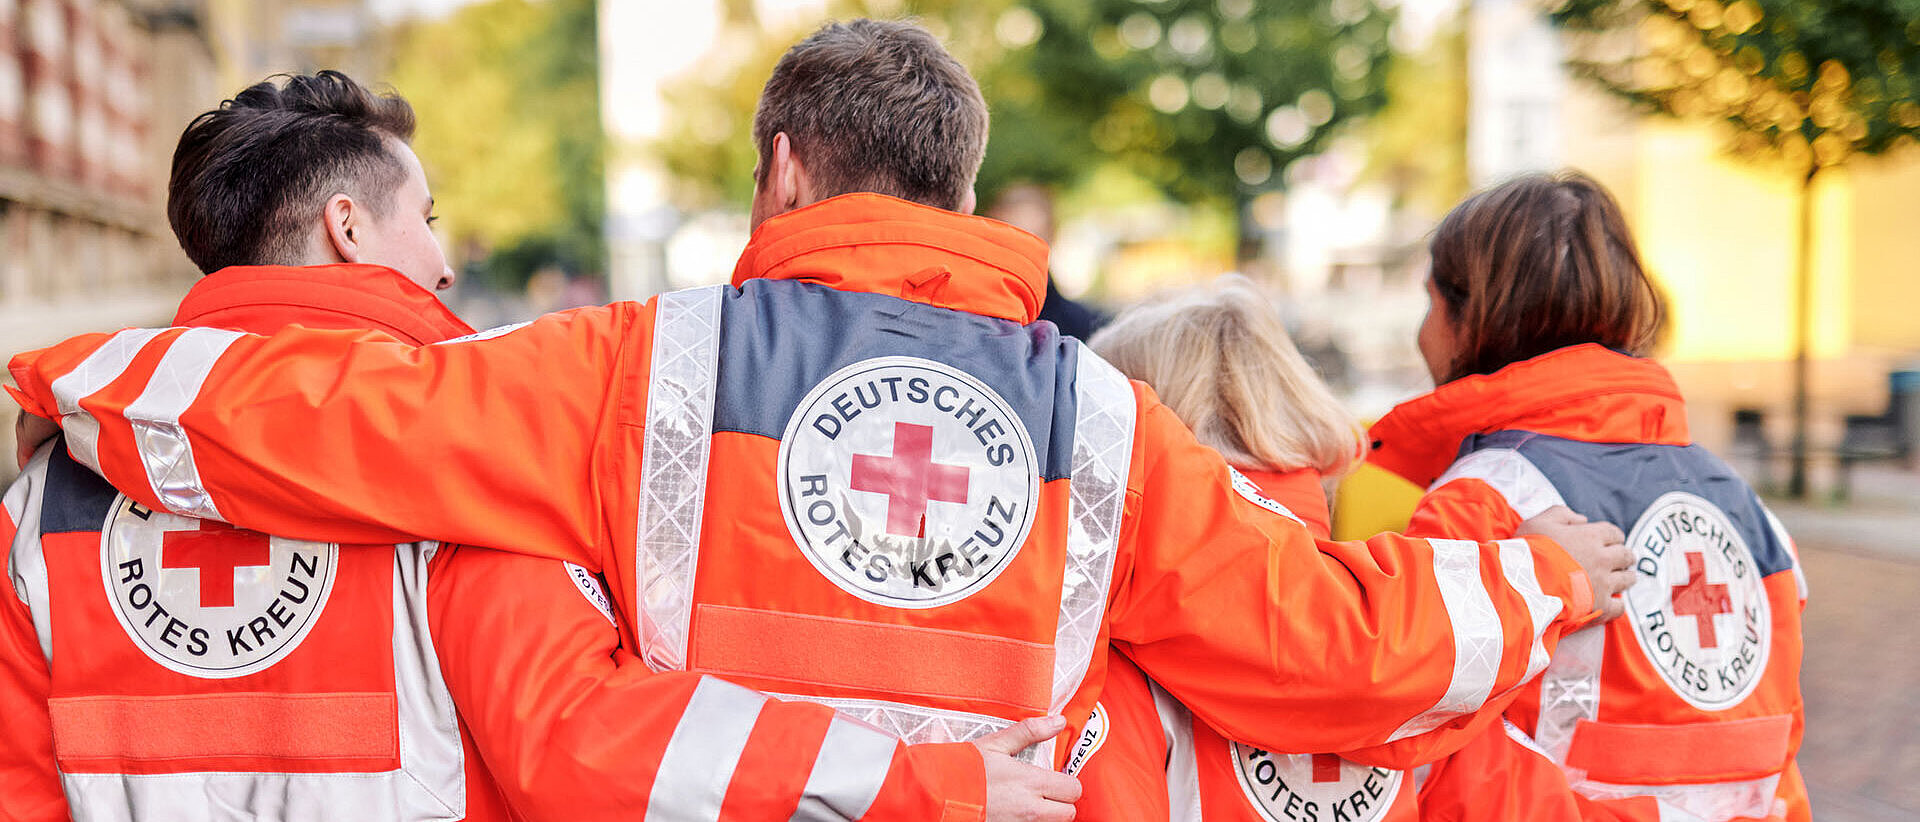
1861	676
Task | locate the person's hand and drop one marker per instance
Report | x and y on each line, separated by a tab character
1018	792
1599	547
29	432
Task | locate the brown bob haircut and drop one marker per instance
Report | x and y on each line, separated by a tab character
250	177
876	106
1539	263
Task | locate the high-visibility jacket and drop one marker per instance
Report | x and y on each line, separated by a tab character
1693	697
859	474
1143	757
306	686
162	667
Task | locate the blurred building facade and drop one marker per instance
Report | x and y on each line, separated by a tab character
1720	233
93	95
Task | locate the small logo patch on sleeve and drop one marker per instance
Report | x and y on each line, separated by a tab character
1091	738
1251	492
496	331
590	587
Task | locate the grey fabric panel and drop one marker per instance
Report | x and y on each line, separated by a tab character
77	500
778	338
1617	482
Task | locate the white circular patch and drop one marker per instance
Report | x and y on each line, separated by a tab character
1699	608
1296	787
209	600
907	482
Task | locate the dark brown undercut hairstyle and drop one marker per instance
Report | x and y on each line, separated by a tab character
1540	263
251	177
876	106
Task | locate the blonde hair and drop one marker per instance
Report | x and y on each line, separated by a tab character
1220	358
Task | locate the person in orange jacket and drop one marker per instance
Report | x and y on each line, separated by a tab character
859	474
153	665
1220	358
1689	707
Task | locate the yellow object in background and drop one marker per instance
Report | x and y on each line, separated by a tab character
1372	501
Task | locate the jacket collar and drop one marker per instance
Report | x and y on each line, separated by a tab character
265	298
1583	392
885	245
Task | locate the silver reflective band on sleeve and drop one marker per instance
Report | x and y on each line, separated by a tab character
27	560
1705	802
673	469
1477	639
100	368
705	749
1570	689
847	776
1516	563
1526	489
1102	456
915	724
164	450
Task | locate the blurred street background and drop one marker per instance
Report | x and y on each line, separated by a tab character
582	151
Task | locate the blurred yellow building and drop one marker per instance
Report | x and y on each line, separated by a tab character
1721	233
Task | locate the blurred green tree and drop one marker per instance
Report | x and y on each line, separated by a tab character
1207	99
507	96
1809	85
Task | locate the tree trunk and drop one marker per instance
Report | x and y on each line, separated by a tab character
1803	336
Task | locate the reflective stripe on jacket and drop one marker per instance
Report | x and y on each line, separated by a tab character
1692	698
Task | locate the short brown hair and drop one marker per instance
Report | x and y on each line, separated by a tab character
876	106
250	176
1540	263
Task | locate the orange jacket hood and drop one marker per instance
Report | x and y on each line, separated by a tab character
885	245
262	299
1583	392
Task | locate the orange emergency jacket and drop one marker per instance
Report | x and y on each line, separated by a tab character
1687	708
158	666
527	648
860	474
1143	757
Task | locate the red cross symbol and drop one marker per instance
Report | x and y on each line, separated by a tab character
217	550
1701	601
1326	768
910	479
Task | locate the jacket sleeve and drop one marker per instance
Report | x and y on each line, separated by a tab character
576	728
1501	774
299	433
28	780
1466	509
1243	616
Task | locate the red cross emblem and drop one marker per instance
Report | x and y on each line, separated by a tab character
1700	600
217	550
910	479
1326	768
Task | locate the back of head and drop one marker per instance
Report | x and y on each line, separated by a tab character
250	178
1220	358
1539	263
877	106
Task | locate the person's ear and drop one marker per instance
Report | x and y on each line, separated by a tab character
341	217
785	175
